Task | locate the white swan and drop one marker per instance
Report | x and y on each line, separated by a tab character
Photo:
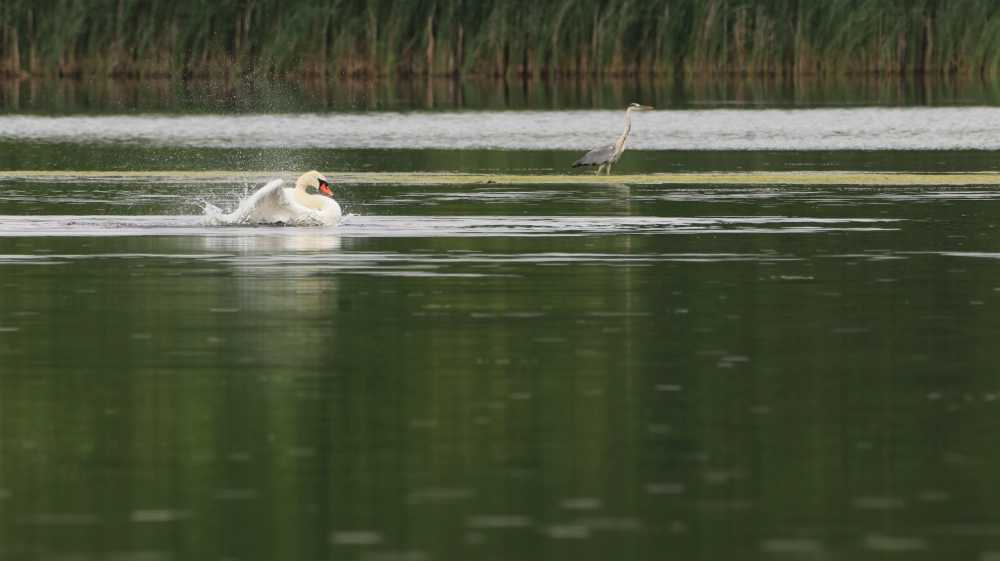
309	203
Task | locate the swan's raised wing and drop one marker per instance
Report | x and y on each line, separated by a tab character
269	194
268	205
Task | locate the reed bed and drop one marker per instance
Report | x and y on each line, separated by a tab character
537	38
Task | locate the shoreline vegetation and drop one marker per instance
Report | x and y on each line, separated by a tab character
498	38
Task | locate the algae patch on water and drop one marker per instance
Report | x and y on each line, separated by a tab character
846	178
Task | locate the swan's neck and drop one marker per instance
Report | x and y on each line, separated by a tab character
307	199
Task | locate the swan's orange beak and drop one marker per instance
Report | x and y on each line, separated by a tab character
324	187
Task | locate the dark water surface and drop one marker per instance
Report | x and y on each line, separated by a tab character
498	372
116	96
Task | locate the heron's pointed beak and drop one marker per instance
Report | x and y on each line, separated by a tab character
648	108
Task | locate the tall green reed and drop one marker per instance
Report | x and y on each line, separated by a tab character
498	37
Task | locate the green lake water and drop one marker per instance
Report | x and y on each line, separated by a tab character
497	372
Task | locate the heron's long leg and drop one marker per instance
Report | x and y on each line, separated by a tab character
599	168
608	171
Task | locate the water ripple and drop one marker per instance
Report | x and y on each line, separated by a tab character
439	226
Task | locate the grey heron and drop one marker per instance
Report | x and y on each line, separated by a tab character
605	156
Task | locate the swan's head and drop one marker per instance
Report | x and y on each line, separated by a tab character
314	183
637	107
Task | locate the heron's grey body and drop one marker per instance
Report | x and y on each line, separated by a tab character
599	156
605	156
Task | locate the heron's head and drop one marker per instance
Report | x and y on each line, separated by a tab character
314	183
638	107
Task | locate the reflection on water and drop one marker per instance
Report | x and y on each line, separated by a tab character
124	95
498	372
322	241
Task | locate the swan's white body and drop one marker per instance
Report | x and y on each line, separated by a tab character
275	204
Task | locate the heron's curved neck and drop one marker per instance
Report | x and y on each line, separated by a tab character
628	123
620	145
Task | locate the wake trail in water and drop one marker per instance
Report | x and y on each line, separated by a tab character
214	223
